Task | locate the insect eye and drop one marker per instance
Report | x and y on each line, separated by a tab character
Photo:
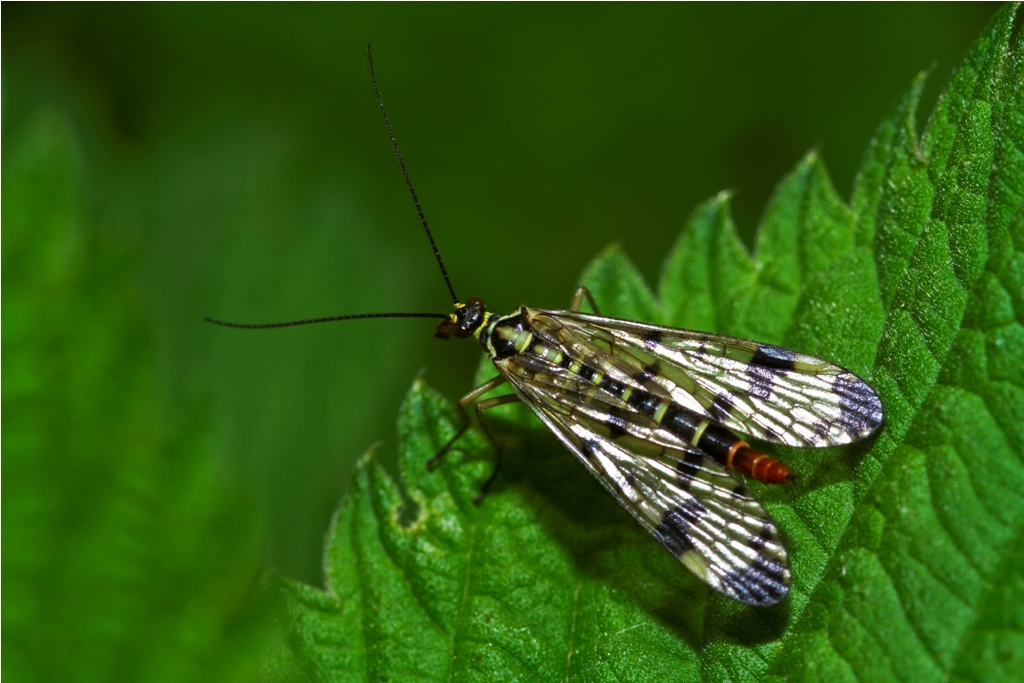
469	317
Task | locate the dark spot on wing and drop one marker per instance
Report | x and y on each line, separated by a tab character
589	447
689	468
615	423
674	530
760	380
775	357
820	429
652	338
721	407
765	582
861	412
764	537
647	373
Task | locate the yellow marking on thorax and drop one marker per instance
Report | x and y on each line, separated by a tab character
481	328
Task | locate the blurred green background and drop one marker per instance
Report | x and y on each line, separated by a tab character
166	162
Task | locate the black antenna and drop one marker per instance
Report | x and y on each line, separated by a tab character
310	321
423	219
415	199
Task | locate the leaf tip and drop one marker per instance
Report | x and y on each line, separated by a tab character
369	456
813	155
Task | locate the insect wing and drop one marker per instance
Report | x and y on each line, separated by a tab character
767	392
690	503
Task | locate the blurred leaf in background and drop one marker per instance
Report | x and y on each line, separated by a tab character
126	554
230	161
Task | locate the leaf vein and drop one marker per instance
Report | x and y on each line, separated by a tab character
990	584
403	571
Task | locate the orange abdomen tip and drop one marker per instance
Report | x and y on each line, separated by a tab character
764	468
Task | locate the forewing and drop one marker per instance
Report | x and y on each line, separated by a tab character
764	391
694	507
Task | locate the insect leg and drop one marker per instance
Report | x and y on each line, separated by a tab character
499	448
577	300
473	395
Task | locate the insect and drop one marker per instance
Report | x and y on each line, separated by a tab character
650	411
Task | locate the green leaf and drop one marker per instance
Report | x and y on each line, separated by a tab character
908	560
125	557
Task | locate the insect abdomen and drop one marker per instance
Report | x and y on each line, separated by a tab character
736	455
726	448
